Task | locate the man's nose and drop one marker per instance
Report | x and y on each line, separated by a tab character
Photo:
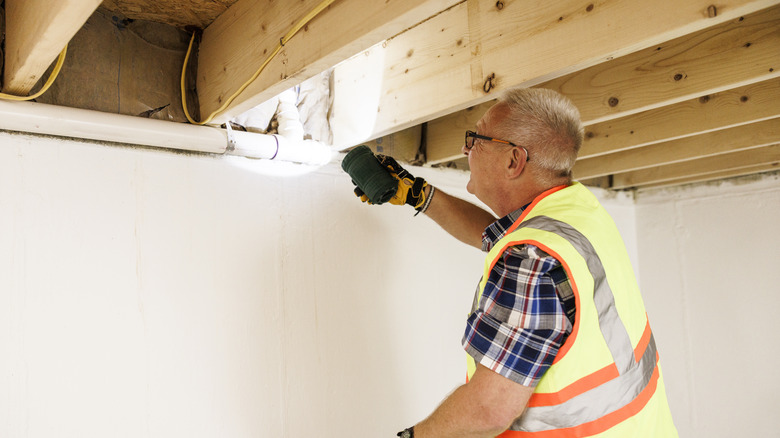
464	150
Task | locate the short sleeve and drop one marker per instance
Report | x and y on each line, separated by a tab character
520	322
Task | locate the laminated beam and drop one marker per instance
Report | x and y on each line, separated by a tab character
723	141
238	42
729	108
36	32
741	51
749	161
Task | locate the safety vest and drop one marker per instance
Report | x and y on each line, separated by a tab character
605	380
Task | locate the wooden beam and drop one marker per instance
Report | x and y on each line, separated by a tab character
238	41
449	62
732	173
741	105
403	145
712	143
768	155
738	52
602	182
445	135
36	32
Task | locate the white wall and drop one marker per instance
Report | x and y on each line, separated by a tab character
709	258
147	293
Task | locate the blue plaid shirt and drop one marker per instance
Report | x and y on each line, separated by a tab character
526	311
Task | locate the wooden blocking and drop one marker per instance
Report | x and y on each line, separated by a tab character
403	145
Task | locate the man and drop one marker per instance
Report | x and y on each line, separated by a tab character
558	339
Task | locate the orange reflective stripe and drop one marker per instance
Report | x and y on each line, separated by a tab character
602	424
531	207
639	351
582	385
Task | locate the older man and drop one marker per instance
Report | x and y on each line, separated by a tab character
558	339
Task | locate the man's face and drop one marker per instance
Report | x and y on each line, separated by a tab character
484	157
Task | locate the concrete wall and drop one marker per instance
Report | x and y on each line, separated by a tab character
146	293
709	257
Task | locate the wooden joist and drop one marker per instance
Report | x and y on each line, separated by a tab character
748	161
729	108
728	140
741	51
239	40
717	176
738	52
464	55
36	32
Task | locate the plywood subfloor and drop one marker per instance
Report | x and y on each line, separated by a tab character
179	13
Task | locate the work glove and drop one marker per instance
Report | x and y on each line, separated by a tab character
411	190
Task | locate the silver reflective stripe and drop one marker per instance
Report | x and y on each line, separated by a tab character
594	404
612	327
634	376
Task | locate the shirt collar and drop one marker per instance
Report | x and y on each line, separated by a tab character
495	231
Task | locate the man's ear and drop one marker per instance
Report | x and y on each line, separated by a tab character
516	163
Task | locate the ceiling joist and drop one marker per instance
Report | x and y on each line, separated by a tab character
728	140
36	31
729	108
714	167
741	51
464	55
772	166
238	41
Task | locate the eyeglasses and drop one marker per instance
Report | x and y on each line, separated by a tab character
471	136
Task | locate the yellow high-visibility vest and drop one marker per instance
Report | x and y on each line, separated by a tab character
605	380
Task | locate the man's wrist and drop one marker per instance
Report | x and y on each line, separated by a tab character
428	196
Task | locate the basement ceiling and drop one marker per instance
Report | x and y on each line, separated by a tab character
670	92
179	13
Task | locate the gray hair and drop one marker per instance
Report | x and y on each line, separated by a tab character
548	125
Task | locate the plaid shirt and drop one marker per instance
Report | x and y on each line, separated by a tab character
526	311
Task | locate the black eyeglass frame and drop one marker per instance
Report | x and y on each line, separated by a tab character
497	140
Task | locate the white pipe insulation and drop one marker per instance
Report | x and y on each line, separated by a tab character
39	118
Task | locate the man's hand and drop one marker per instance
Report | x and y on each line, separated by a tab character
411	190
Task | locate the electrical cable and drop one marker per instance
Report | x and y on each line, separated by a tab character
282	41
52	77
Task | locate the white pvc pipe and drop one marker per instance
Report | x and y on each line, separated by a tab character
289	118
39	118
276	147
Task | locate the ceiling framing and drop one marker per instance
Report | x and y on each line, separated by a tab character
670	91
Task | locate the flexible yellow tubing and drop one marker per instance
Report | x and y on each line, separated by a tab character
298	26
52	77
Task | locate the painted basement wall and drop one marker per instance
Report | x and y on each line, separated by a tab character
709	255
148	293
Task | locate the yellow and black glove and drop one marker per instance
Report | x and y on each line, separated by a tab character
410	191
